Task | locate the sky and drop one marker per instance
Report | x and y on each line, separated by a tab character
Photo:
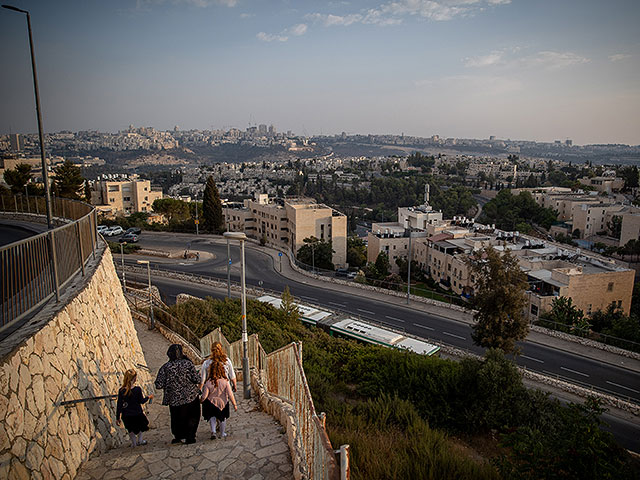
538	70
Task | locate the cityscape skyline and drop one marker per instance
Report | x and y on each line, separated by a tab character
505	68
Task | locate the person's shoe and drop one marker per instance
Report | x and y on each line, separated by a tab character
223	435
213	436
176	440
142	442
190	441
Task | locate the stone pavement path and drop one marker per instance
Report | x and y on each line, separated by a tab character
255	449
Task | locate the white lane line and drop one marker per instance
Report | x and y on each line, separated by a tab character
531	358
309	298
338	304
394	318
622	386
366	311
573	371
422	326
454	335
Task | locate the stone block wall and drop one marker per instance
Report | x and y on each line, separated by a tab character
80	351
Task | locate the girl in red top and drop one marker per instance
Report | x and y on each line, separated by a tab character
215	399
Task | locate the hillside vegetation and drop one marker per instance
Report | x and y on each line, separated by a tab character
399	410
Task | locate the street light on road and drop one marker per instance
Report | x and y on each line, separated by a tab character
245	360
124	280
152	323
45	174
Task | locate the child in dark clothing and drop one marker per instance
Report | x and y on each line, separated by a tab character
129	406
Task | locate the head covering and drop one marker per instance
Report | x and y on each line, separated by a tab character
175	352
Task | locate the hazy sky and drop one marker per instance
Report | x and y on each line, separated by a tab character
520	69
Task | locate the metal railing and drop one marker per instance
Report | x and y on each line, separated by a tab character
36	269
285	378
589	334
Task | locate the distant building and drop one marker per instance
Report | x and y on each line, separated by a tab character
286	223
16	142
124	197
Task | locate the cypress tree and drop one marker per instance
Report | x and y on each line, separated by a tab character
212	208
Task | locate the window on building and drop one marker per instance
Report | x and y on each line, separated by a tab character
126	199
534	310
589	309
619	303
394	247
610	287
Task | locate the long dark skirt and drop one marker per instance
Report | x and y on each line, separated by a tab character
135	423
184	420
210	410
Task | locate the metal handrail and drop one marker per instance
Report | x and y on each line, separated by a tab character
36	269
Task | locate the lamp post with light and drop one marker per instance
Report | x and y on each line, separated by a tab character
245	360
152	323
45	174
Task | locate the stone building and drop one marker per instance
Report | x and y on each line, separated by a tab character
123	197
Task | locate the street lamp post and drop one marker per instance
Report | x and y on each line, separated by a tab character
197	221
124	280
152	323
228	269
245	359
313	258
45	174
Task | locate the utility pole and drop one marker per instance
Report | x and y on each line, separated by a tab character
197	221
124	280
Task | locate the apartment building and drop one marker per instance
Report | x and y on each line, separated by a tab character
124	197
603	184
593	218
630	225
552	270
286	223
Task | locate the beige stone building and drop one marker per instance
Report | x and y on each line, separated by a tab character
123	197
286	223
593	218
630	226
604	184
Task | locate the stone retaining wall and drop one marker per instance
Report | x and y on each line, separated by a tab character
80	351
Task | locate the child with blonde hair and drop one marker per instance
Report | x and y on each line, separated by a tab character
215	399
129	407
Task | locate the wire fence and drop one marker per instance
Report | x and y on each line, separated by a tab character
36	269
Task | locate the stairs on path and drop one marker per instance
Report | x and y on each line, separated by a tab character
255	449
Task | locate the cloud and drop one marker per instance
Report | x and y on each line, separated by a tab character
268	37
619	56
505	58
494	58
247	15
394	12
142	5
298	30
552	60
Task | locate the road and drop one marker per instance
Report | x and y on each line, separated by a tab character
261	271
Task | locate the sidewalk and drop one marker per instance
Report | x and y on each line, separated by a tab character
255	449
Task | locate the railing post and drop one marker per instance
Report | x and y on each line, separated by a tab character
94	232
345	473
80	254
54	263
15	201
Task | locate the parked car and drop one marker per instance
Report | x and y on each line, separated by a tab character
352	275
342	272
129	238
102	228
134	230
113	231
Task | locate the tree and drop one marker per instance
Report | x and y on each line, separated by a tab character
565	312
317	253
288	306
212	207
630	175
68	181
383	267
174	210
615	226
356	252
499	299
87	192
18	177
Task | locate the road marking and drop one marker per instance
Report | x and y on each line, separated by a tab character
454	335
338	304
394	318
622	386
573	371
309	298
531	358
422	326
366	311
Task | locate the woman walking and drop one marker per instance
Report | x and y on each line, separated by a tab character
215	399
179	380
218	356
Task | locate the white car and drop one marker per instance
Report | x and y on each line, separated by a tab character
113	231
102	228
